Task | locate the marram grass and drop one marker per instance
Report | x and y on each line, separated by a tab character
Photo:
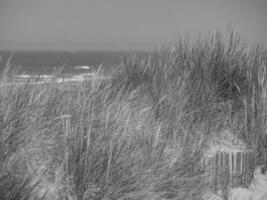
137	135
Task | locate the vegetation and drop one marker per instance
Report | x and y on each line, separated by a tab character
140	134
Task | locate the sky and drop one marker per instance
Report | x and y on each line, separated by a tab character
123	24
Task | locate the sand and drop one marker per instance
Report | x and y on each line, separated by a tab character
256	191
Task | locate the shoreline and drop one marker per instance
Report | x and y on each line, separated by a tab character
23	79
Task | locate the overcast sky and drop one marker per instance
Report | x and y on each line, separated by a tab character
122	24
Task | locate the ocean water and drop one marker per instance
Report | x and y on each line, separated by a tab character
76	65
73	63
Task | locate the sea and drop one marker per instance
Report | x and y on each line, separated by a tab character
72	64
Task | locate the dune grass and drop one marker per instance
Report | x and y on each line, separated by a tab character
140	134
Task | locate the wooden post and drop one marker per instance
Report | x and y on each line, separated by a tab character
230	169
235	171
217	168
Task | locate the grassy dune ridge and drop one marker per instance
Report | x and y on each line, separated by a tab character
140	134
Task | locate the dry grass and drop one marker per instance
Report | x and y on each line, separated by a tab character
140	134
